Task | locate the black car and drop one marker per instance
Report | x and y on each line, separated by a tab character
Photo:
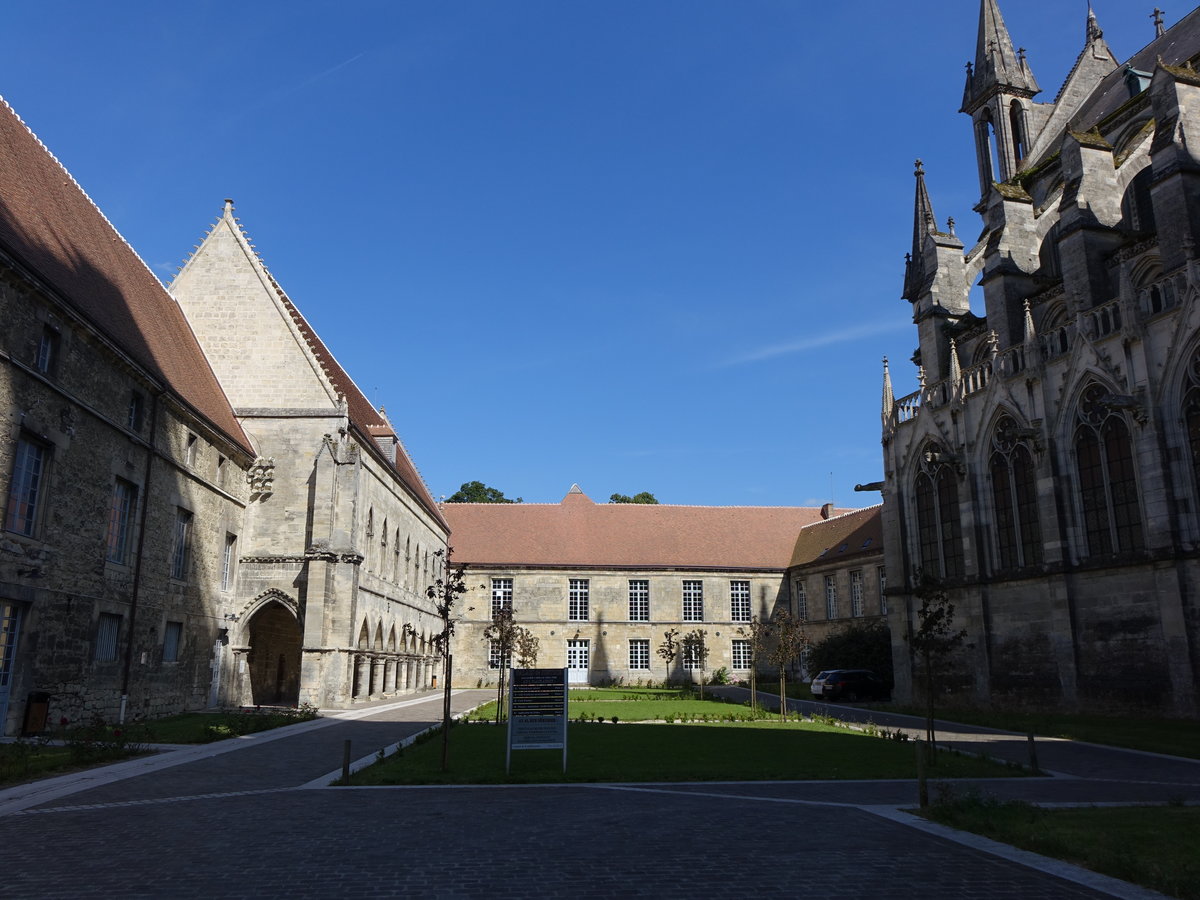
854	684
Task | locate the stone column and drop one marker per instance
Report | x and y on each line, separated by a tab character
362	676
404	674
389	675
376	677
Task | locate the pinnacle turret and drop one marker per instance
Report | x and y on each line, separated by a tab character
924	223
997	67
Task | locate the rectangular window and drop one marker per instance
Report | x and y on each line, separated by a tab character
739	601
577	605
496	659
46	360
693	601
690	653
856	593
27	485
181	544
107	632
120	516
228	555
171	639
137	405
639	653
740	656
639	601
801	599
882	591
10	626
831	610
502	594
193	445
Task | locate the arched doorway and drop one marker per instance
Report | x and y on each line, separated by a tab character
274	660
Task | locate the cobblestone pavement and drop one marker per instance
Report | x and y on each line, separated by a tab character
240	823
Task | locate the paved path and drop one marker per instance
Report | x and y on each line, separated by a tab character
251	818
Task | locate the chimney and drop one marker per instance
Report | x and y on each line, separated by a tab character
826	510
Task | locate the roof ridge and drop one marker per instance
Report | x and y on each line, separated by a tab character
86	196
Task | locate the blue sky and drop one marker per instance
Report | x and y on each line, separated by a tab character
649	245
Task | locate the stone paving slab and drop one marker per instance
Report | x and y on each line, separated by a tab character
570	842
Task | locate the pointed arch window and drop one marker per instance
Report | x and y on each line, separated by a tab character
1108	491
1016	119
1191	415
1014	498
939	526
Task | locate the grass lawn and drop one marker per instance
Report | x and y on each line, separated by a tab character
204	727
631	752
651	707
27	761
1151	846
1177	737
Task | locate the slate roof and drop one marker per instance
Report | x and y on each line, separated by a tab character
842	537
578	532
1179	44
50	226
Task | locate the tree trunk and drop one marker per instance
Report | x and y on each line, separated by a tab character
447	669
782	694
929	735
753	687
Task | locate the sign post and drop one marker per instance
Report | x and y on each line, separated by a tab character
537	712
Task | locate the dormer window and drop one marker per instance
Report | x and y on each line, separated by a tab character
1136	80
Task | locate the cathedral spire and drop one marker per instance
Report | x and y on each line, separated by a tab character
998	66
924	223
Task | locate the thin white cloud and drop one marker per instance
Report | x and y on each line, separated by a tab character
811	342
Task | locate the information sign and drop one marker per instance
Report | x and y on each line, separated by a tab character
537	711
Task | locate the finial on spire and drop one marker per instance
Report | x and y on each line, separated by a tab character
228	205
1021	55
1093	28
919	167
950	226
889	400
1029	332
1157	16
924	224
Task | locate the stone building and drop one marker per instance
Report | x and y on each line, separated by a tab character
122	467
837	575
342	535
600	584
1045	470
184	530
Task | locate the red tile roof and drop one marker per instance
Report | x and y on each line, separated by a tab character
857	533
54	230
580	532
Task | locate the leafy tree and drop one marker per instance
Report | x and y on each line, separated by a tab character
478	492
856	646
527	649
444	592
669	649
695	650
790	640
757	633
643	497
932	643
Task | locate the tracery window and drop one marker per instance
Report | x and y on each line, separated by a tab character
1014	497
1191	414
939	527
1108	491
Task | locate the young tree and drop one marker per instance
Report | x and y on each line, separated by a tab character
790	640
932	643
478	492
669	649
757	633
444	592
695	651
527	648
503	633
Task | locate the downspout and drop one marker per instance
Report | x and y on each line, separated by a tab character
137	564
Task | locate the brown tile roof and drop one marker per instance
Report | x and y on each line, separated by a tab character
372	423
580	532
54	230
857	533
